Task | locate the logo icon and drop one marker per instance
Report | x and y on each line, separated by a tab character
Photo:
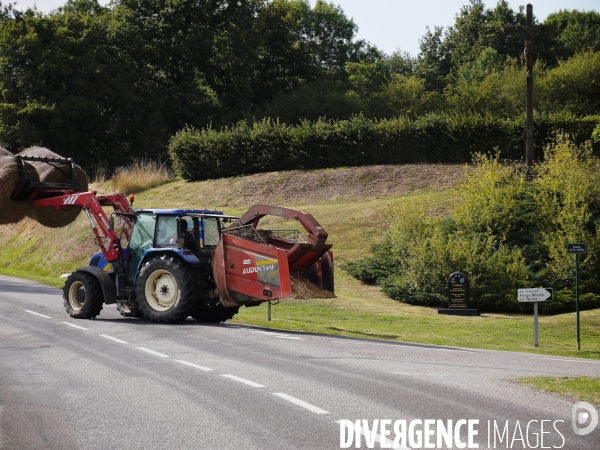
584	418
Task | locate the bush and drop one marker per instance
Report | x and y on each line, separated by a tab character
269	145
596	134
429	250
505	233
377	268
567	197
573	86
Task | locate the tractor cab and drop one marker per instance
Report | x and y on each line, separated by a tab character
191	233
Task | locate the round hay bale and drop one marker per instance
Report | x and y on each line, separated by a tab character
54	173
4	152
12	212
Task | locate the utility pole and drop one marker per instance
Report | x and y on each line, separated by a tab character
528	33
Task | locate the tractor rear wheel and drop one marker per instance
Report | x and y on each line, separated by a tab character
82	296
214	314
129	309
166	289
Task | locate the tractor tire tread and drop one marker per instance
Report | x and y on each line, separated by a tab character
186	281
94	300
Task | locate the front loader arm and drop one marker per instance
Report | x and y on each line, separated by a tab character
92	205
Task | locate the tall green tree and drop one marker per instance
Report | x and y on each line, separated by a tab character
576	31
59	84
443	53
434	62
106	84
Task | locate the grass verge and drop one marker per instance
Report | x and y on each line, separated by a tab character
585	389
363	311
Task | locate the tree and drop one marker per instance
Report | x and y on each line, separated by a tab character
59	85
576	31
443	54
434	60
330	34
573	86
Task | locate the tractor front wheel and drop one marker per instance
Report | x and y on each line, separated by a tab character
82	296
166	289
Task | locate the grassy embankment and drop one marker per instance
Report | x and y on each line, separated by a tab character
351	205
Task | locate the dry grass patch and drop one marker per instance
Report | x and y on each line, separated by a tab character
302	188
141	175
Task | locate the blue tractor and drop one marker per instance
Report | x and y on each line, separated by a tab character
164	274
189	262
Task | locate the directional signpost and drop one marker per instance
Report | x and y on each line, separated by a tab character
535	295
577	249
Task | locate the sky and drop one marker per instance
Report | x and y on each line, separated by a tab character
393	25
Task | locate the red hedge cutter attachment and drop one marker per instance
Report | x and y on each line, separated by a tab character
252	265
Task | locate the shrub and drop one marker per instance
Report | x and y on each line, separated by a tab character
269	145
567	197
572	86
492	198
427	252
376	268
504	232
596	134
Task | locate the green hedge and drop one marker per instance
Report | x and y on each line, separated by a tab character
268	145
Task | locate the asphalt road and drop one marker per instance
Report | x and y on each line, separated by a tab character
116	383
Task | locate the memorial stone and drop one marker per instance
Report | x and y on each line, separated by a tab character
458	296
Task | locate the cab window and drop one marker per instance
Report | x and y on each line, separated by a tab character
210	232
166	231
143	232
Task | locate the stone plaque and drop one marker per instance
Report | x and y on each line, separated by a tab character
458	291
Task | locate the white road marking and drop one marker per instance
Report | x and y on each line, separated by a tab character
444	349
38	314
114	339
301	403
243	380
277	335
566	360
152	352
401	344
383	442
76	326
420	374
206	369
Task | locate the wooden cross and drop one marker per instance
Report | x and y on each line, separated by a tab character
528	33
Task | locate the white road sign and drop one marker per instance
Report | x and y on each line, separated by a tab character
535	295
